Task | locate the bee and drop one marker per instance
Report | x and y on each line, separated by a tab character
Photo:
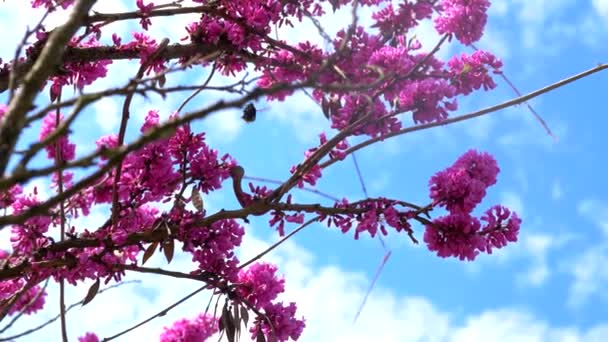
249	113
330	106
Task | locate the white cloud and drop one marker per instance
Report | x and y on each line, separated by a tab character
601	7
537	246
107	114
590	275
595	211
534	248
303	116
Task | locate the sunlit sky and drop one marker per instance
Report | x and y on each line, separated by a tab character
550	286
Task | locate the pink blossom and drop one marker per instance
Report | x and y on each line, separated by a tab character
466	19
146	46
88	337
259	284
107	142
479	165
463	185
7	197
30	236
30	301
470	73
212	247
67	150
284	324
397	22
145	21
454	235
79	74
151	121
427	99
502	227
198	329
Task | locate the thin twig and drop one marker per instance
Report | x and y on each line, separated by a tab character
159	314
198	91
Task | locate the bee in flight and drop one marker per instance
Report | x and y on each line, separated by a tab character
249	113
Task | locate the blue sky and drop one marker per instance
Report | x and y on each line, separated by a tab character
551	286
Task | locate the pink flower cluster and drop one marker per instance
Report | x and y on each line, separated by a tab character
213	247
470	72
30	236
283	324
88	337
391	21
67	150
460	188
466	19
198	329
145	46
145	21
259	286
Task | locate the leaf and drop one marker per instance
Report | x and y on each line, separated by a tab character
92	292
228	324
162	80
168	249
197	200
237	319
245	315
260	337
149	252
